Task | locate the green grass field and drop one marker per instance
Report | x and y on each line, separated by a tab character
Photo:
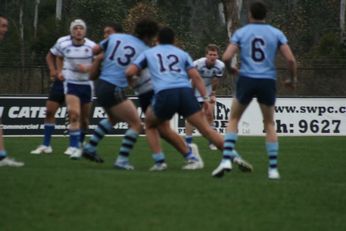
52	192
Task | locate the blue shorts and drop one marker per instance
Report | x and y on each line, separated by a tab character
177	100
83	92
109	95
56	92
263	89
145	100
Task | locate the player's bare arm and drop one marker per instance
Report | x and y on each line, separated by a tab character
198	83
97	49
131	74
95	68
50	59
229	53
215	84
291	65
59	63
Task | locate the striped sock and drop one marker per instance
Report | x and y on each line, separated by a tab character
129	140
48	131
159	158
272	151
229	143
74	138
104	127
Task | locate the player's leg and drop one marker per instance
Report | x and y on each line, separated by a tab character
272	144
85	118
199	121
190	153
49	127
167	132
126	111
153	138
231	135
164	105
55	99
86	104
266	99
74	111
49	122
210	118
107	98
244	94
4	159
229	153
188	132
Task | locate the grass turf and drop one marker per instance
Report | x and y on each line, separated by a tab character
54	193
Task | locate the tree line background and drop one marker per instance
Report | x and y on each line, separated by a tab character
315	29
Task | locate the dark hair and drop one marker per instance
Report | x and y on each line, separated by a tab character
146	28
117	27
3	16
258	10
166	35
212	47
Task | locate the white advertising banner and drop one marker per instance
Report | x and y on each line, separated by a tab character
293	117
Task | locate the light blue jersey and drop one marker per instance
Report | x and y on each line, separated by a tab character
258	44
120	50
168	66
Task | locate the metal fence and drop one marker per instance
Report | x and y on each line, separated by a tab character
313	81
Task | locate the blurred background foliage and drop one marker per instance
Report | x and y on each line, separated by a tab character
312	27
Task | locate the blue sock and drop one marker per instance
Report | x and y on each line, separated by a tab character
128	142
74	138
159	158
3	154
228	147
48	131
189	155
188	139
82	136
104	127
272	151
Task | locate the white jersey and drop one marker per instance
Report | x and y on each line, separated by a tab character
144	84
54	50
74	55
208	73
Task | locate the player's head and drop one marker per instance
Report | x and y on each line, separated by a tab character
212	53
166	36
78	29
112	28
258	10
146	29
3	26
